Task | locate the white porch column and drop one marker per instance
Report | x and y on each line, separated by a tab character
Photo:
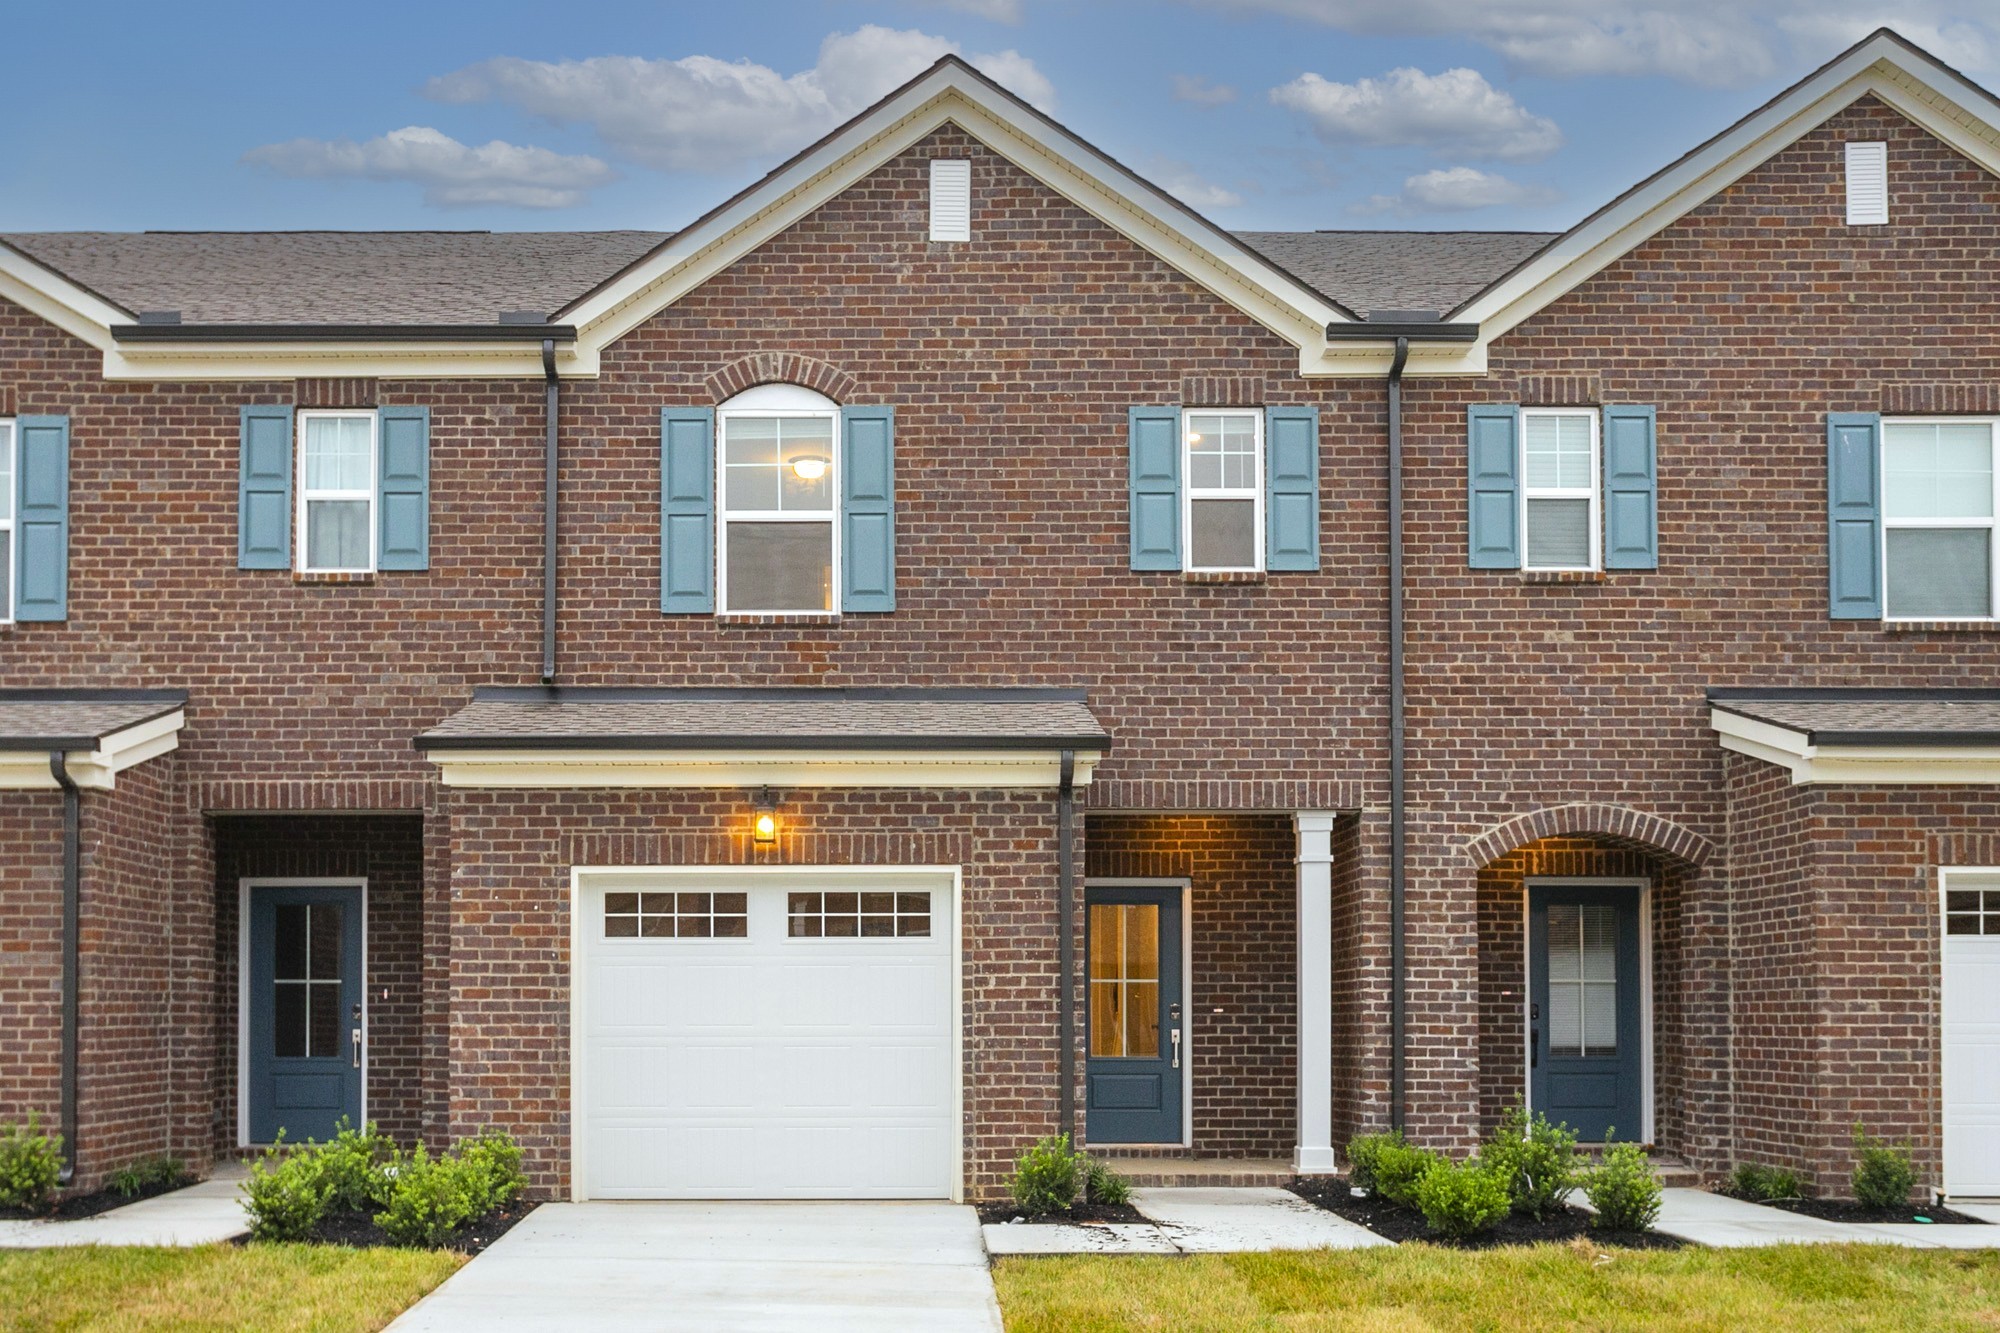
1315	1018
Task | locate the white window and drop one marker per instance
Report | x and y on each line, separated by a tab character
1938	504
6	522
951	199
1223	461
1559	492
779	547
336	516
1867	184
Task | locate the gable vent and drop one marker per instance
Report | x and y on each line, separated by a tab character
1867	184
951	199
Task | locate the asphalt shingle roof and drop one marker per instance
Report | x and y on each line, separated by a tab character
502	717
77	719
1873	717
1397	270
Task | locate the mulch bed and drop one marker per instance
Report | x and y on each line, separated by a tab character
90	1205
1847	1210
1395	1222
356	1227
1080	1212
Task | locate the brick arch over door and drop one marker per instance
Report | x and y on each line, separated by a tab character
781	368
1619	822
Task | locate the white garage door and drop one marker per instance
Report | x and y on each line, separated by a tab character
766	1037
1972	1035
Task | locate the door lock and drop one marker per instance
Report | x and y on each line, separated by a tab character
1177	1048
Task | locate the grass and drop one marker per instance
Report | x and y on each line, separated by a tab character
260	1287
1811	1289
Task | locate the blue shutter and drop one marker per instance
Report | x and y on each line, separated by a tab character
1291	488
41	518
1631	489
403	488
264	487
1854	515
1154	437
687	510
868	509
1493	497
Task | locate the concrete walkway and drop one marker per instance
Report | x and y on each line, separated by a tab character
198	1215
1713	1219
726	1267
1194	1220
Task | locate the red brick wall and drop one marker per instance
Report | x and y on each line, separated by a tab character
31	839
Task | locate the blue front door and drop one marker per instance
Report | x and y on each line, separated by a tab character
1132	1076
1586	1066
305	1011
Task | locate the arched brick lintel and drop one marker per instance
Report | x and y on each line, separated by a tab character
1609	821
782	368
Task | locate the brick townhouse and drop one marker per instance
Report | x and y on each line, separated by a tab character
953	646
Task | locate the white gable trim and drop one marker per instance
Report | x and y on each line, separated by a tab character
1870	765
98	769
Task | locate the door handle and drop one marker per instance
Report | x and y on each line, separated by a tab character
1177	1048
356	1037
1534	1048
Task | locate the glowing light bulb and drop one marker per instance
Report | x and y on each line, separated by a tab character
767	827
809	467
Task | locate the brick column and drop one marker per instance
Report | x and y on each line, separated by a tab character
1314	1152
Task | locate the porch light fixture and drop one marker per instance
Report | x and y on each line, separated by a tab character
764	829
810	467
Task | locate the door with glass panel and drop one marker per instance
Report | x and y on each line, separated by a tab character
1135	1062
304	1005
1586	1068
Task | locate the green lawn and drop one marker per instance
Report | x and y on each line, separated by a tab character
1813	1289
215	1287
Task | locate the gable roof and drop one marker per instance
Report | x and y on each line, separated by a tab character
1372	271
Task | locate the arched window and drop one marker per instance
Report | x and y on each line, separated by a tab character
778	488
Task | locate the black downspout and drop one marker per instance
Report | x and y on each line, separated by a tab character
550	411
1066	948
1397	1004
72	925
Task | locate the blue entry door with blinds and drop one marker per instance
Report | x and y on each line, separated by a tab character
305	1030
1586	1065
1135	1066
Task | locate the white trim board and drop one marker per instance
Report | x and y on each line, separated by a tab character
572	769
1186	886
1870	765
243	888
1648	1093
94	770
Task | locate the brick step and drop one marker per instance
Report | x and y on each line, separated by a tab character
1183	1172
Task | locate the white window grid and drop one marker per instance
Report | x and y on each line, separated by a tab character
1989	524
1254	492
8	488
367	494
1592	493
724	515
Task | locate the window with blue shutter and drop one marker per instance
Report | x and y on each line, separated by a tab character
403	488
1854	515
868	509
41	518
1493	495
1291	488
687	510
264	487
1154	480
1631	489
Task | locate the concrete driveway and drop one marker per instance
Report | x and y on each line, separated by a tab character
875	1267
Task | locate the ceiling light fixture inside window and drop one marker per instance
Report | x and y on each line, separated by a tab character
809	467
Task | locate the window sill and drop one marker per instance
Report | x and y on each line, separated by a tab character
1941	626
1563	576
308	576
767	618
1225	576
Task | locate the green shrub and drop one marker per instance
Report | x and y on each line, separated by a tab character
1623	1189
286	1194
430	1197
1103	1185
1537	1160
1885	1175
1763	1183
1048	1177
30	1165
1461	1199
351	1165
494	1161
1364	1151
1398	1168
145	1173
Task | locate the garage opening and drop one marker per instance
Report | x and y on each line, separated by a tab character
1971	1022
755	1033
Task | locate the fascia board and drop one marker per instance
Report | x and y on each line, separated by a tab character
1866	765
93	770
308	360
572	769
62	303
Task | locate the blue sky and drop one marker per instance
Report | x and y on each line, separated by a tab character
1282	114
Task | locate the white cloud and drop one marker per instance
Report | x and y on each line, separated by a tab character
1715	43
1184	183
1454	190
703	114
996	11
1196	89
1456	112
454	175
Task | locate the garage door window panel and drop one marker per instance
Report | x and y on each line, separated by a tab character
876	915
676	916
1972	911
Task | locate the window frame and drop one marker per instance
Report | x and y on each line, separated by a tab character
1991	523
1190	493
1595	496
10	522
301	540
788	405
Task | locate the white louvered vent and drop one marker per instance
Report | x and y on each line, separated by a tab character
1867	184
951	199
